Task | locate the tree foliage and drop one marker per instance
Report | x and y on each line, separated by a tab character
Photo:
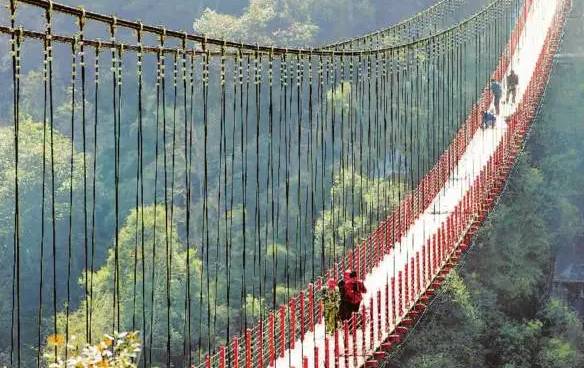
135	277
44	155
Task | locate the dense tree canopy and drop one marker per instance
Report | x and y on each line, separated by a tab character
41	153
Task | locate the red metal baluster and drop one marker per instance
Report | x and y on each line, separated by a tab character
450	231
444	244
364	334
260	346
434	264
346	342
386	300
282	330
248	348
439	253
399	294
316	357
441	241
222	356
337	353
350	261
393	311
371	324
412	282
326	352
272	337
354	322
357	260
311	307
235	352
379	314
418	272
425	253
363	268
302	315
406	298
292	323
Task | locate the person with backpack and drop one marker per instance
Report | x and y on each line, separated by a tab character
497	91
489	119
512	82
355	288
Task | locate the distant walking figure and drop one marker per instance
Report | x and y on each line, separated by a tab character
512	82
497	91
489	119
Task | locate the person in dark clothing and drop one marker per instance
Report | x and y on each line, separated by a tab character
497	91
355	288
489	119
512	82
345	303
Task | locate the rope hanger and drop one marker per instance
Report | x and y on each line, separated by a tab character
468	24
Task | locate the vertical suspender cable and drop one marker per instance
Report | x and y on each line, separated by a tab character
222	167
159	73
71	168
140	192
270	175
320	124
81	22
167	219
189	119
313	167
301	249
257	216
115	311
206	62
94	189
15	317
43	213
49	31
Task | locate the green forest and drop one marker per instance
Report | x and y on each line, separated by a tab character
129	246
497	309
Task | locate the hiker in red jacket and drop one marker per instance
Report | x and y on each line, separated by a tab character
354	289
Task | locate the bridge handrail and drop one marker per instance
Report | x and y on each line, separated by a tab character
470	23
440	8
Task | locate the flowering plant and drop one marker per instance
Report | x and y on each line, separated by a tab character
118	351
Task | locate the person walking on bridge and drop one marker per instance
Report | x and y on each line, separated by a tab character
497	91
489	119
355	288
345	300
512	82
331	303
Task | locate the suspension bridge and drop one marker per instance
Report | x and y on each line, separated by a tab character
288	164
